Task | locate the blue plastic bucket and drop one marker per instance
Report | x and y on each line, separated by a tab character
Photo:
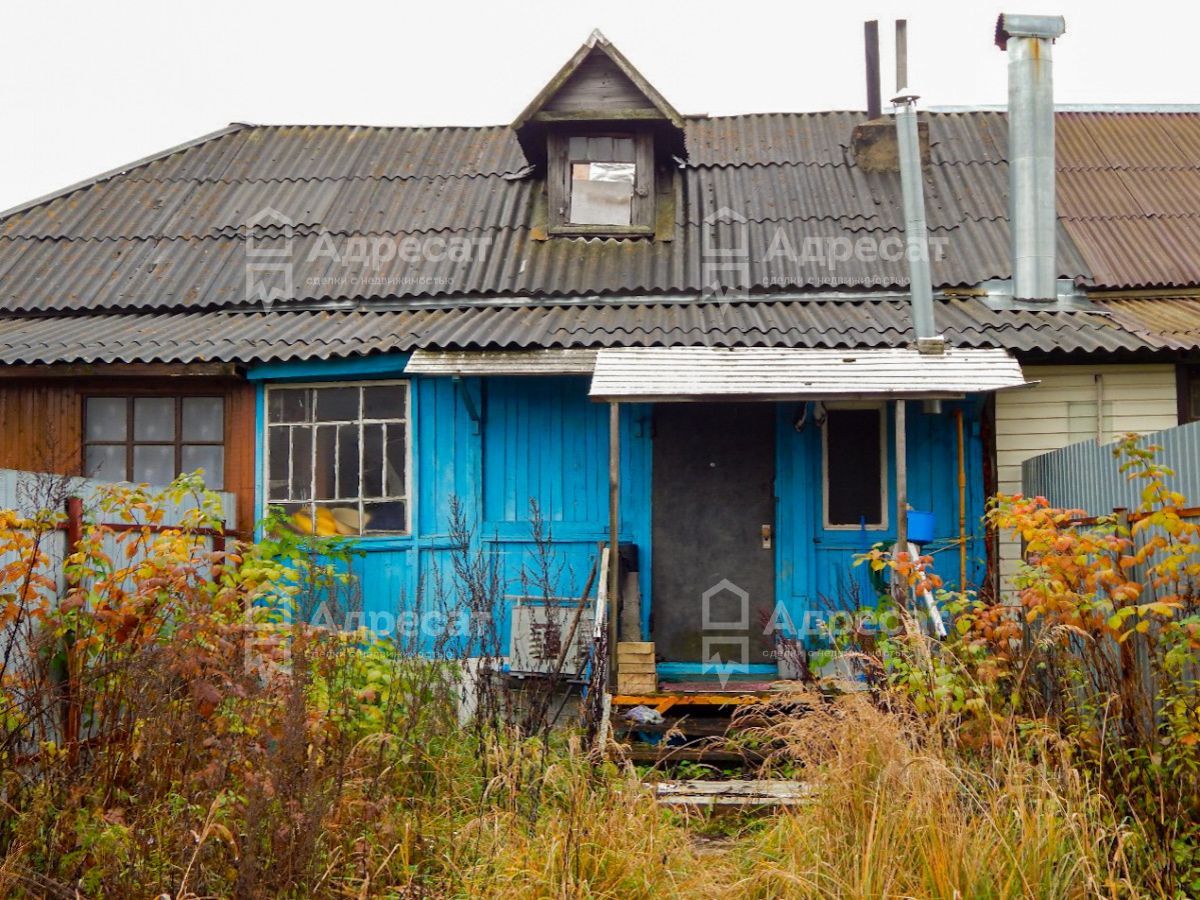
920	526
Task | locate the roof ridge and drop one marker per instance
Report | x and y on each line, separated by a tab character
231	128
459	127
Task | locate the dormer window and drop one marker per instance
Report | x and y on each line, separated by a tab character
599	132
603	179
601	183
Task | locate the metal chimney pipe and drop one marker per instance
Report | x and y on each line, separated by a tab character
901	55
871	41
1031	210
916	232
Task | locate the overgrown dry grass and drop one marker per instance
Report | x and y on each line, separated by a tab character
895	815
485	814
152	745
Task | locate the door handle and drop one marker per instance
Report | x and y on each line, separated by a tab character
766	537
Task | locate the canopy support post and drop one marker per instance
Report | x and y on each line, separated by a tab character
901	595
901	479
614	525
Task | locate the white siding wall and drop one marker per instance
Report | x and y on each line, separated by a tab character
1061	410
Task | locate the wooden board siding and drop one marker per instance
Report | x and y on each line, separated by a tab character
1061	410
598	84
41	421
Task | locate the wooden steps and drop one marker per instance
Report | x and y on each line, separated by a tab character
733	794
714	755
692	727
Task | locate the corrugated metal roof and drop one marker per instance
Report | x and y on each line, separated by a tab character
1129	195
1169	322
823	138
276	152
1140	252
171	233
37	275
689	373
186	209
283	335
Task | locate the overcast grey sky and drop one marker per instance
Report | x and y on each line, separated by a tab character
90	86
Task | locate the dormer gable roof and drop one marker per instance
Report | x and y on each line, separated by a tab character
597	85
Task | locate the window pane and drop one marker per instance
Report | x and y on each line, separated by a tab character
105	461
619	173
397	462
203	419
384	401
342	458
325	474
105	419
345	519
347	461
388	515
288	405
277	452
211	459
302	467
299	516
154	419
372	460
623	150
602	193
853	448
600	148
155	465
337	404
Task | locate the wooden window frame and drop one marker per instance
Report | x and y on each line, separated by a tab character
311	503
884	511
131	442
558	181
1186	374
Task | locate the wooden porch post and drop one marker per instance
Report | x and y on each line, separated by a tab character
901	479
614	525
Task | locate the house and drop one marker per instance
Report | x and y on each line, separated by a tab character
690	330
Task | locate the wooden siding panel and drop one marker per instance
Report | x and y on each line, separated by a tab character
41	421
544	441
597	85
816	563
40	425
1060	410
240	440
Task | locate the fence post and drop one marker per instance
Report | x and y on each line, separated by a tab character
74	531
72	709
218	546
1134	693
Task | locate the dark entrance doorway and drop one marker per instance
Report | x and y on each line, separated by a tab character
713	496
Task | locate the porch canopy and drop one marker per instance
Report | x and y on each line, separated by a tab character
665	374
467	363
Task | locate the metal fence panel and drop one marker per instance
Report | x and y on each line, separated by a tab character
1086	475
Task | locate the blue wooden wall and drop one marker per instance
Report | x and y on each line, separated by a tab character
531	440
542	439
814	563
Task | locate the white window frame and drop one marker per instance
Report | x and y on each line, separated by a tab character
409	444
883	466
